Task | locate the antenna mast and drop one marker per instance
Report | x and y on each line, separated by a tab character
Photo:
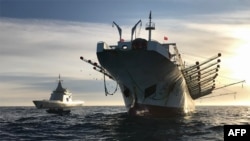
150	26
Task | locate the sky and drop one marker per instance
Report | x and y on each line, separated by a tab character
40	39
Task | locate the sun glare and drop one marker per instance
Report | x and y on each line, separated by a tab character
239	62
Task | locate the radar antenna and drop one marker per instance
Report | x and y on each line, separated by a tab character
150	26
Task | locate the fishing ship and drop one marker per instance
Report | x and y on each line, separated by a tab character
60	101
153	79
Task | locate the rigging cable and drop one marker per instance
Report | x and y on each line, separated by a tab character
234	93
105	86
230	84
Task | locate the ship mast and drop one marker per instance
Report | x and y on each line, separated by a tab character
150	26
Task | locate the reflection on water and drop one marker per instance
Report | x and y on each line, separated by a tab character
113	123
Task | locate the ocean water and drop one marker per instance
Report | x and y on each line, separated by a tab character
111	123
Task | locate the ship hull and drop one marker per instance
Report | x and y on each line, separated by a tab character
59	111
155	111
150	83
55	104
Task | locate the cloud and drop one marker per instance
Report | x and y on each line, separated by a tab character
210	32
36	51
129	11
36	37
49	43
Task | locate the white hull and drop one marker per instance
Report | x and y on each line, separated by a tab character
56	104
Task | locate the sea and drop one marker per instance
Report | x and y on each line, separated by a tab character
112	123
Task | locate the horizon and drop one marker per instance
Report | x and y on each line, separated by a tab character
42	39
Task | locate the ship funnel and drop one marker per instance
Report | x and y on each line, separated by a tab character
150	26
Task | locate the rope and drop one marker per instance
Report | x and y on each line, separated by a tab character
230	85
105	86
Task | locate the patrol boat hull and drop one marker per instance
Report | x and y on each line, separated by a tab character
56	104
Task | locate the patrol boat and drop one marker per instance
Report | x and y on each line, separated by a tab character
152	76
60	101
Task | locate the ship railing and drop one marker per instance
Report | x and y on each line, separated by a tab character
176	57
150	25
